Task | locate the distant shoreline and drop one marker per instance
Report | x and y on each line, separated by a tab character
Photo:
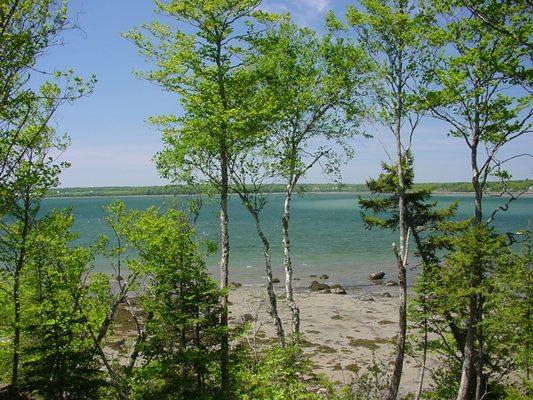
99	196
447	188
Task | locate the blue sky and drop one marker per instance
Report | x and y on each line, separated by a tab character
113	145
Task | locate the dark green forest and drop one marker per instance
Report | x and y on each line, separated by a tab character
444	187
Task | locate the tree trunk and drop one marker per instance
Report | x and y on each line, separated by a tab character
469	373
224	273
224	235
287	263
16	336
480	377
270	286
424	360
394	384
16	293
425	266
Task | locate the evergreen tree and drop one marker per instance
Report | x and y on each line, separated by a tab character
59	360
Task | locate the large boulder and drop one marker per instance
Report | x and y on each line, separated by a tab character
315	286
376	275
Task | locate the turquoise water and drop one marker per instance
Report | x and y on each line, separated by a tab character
327	233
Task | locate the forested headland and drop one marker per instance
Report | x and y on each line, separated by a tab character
259	98
442	187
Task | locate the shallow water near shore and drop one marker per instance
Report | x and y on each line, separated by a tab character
327	233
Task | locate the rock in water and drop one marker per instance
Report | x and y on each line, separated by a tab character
275	280
324	276
376	275
392	283
315	286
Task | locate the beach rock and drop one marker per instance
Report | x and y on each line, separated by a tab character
324	276
275	280
315	286
119	278
392	283
325	291
367	298
236	284
386	294
312	276
338	290
376	275
335	286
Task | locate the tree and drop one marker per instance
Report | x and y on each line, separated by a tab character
505	290
250	174
477	89
317	86
394	33
509	18
59	358
34	174
216	93
27	29
182	304
422	217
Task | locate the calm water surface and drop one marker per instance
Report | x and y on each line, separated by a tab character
327	233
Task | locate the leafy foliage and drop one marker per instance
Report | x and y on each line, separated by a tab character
182	303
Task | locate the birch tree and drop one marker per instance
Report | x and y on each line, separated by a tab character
317	84
28	28
34	174
483	91
394	35
250	176
199	57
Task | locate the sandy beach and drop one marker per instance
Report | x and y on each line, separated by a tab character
341	332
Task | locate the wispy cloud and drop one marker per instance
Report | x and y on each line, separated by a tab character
303	11
319	5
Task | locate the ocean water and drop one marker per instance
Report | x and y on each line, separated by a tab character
327	233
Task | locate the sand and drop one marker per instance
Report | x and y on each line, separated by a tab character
341	332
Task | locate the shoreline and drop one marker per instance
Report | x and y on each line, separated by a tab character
342	334
443	193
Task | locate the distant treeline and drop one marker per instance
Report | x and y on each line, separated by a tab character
442	187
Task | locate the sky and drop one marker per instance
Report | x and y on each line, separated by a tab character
112	145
